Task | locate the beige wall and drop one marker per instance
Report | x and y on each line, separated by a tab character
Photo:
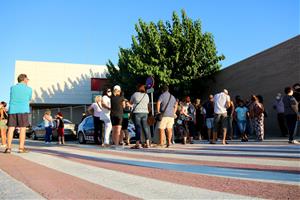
265	73
60	83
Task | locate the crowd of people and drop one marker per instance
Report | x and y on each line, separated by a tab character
218	117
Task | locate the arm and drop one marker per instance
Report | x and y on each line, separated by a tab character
104	105
158	106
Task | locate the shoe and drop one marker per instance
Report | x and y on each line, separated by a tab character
3	145
294	142
135	147
191	142
7	150
23	150
212	142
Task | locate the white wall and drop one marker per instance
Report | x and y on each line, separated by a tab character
60	83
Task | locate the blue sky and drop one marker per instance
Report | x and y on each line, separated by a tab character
91	31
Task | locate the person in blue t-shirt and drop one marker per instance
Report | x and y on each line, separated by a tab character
241	117
18	113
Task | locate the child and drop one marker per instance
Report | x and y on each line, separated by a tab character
241	117
125	133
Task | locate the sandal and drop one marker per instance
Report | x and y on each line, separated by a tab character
23	150
7	150
135	147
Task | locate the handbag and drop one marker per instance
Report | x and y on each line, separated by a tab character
159	116
151	120
131	113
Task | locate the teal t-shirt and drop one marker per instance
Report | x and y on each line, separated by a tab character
20	96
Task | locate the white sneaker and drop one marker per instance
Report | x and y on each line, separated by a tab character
3	145
294	142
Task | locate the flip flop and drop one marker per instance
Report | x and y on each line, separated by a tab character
7	150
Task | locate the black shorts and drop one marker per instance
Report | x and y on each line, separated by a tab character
116	120
220	121
125	123
18	120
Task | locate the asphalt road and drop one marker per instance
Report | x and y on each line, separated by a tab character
267	170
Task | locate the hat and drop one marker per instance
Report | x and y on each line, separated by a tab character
60	114
117	87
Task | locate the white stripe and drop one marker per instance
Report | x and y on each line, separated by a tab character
11	188
141	187
226	159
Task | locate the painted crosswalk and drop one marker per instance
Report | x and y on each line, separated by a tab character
198	171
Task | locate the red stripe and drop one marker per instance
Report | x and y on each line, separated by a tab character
53	184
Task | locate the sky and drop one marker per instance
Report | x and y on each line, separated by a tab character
92	31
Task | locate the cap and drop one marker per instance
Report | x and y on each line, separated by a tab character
117	87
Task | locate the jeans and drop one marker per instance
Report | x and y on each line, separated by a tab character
242	126
48	133
141	125
291	121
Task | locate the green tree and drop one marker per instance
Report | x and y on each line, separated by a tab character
175	53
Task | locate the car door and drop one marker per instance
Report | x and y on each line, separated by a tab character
89	129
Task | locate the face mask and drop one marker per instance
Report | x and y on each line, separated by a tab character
278	98
109	93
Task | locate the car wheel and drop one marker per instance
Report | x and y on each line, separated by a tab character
81	138
33	136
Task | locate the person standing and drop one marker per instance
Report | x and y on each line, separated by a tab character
125	134
189	112
241	119
167	107
140	102
200	119
3	122
279	107
257	116
291	113
96	110
48	123
117	106
221	103
105	115
230	111
60	128
209	116
18	113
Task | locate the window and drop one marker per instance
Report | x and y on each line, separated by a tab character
97	84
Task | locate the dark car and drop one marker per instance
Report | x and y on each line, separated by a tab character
85	130
39	131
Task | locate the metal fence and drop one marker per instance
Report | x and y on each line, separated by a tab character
72	113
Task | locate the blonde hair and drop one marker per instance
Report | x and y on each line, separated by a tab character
117	92
98	98
48	112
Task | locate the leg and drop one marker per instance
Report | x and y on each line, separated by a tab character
22	137
10	135
169	135
224	135
161	136
3	136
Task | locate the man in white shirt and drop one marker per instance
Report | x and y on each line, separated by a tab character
221	103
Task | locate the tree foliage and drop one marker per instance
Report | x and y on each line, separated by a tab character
175	53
